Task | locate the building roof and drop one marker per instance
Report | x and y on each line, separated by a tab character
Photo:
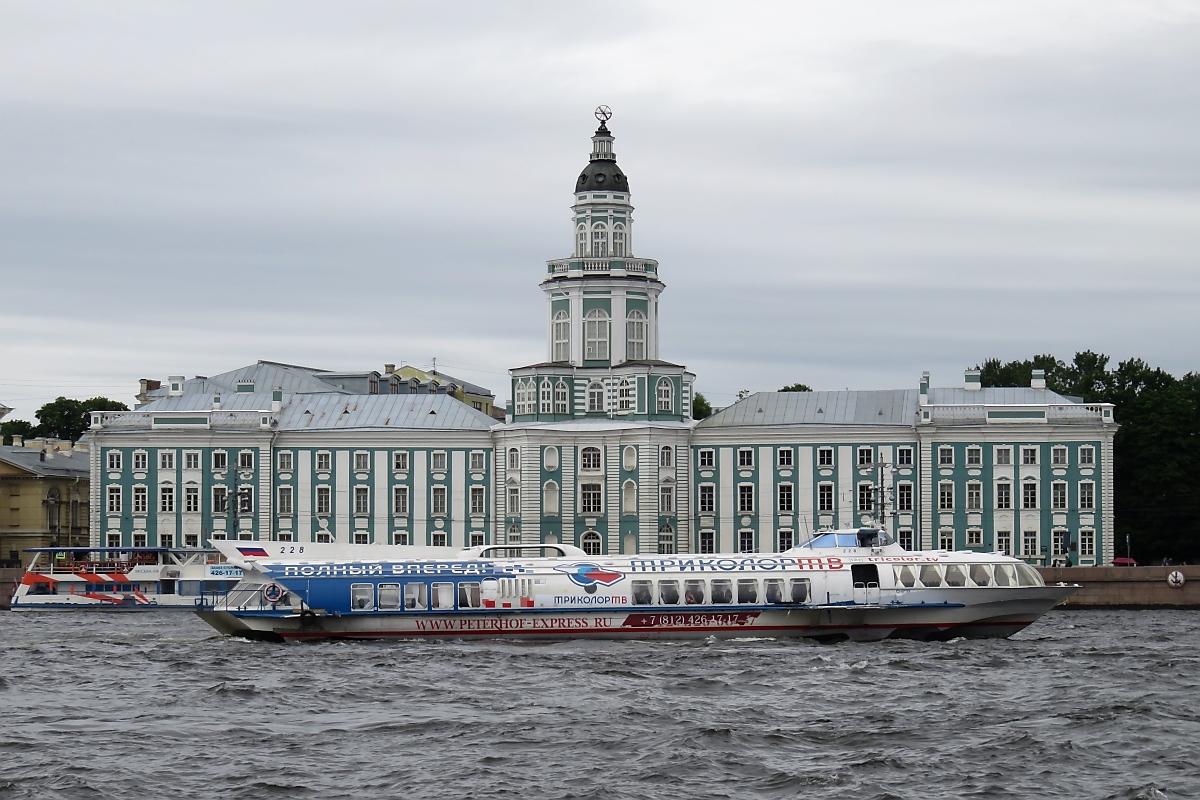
599	176
469	388
61	465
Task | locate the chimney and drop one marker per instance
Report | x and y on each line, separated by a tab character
388	369
924	388
971	380
216	401
276	400
1039	379
48	451
18	440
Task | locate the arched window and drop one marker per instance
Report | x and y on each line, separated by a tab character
562	337
595	335
595	397
550	499
514	458
589	459
618	240
525	400
629	498
625	395
666	540
665	456
581	241
514	537
546	393
635	336
561	398
590	542
599	241
665	395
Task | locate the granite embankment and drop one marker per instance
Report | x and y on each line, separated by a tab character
1128	587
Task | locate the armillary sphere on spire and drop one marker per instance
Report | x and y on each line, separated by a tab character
603	113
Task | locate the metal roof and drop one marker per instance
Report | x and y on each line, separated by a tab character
75	465
887	407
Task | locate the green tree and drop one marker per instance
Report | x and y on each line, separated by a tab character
700	407
65	418
797	387
18	427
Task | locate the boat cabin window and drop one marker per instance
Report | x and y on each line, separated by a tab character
362	596
389	596
956	575
469	596
864	574
443	595
1026	576
1006	575
906	577
773	590
693	593
981	574
722	590
416	596
643	593
931	575
668	593
747	590
799	590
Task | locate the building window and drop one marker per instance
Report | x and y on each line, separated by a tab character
825	497
904	497
1004	542
166	460
561	397
524	397
945	456
362	500
946	539
437	540
666	457
323	462
785	457
549	499
323	537
974	496
546	397
477	501
139	460
666	395
590	542
599	241
114	500
220	460
399	499
786	504
1058	496
904	456
1087	543
284	460
906	539
1087	456
514	458
1003	496
283	502
1058	542
708	498
245	500
590	499
746	498
745	458
595	397
191	499
618	246
220	500
166	499
166	540
974	537
400	460
946	496
581	243
708	542
1029	543
745	541
589	459
1003	456
323	503
477	462
595	335
629	498
706	459
974	456
1029	495
666	500
139	499
400	537
477	539
139	539
865	457
1087	496
865	499
246	459
1029	455
562	337
787	540
514	501
437	461
114	460
1058	456
437	502
625	396
362	462
825	457
635	332
666	540
191	461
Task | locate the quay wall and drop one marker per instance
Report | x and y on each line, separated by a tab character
1127	587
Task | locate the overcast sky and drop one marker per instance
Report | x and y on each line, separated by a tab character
839	193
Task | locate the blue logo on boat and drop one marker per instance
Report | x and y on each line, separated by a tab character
591	574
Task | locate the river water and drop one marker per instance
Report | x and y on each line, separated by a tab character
146	705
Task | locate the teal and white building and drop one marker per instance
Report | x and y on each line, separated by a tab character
600	449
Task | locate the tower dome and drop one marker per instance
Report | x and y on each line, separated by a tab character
602	173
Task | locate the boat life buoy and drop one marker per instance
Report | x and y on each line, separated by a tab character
273	592
1176	579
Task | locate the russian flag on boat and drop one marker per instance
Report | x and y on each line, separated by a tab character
253	551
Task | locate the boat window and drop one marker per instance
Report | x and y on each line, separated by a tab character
906	577
955	575
799	592
469	596
747	590
362	596
389	596
443	595
981	574
643	593
773	590
1006	575
668	593
416	596
931	575
693	592
1026	576
722	591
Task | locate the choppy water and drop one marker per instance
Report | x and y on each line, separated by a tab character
1081	705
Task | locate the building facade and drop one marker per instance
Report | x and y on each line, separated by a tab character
600	449
44	497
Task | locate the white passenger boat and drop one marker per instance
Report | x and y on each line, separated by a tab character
123	578
856	585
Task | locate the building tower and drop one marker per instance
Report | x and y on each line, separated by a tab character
602	314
